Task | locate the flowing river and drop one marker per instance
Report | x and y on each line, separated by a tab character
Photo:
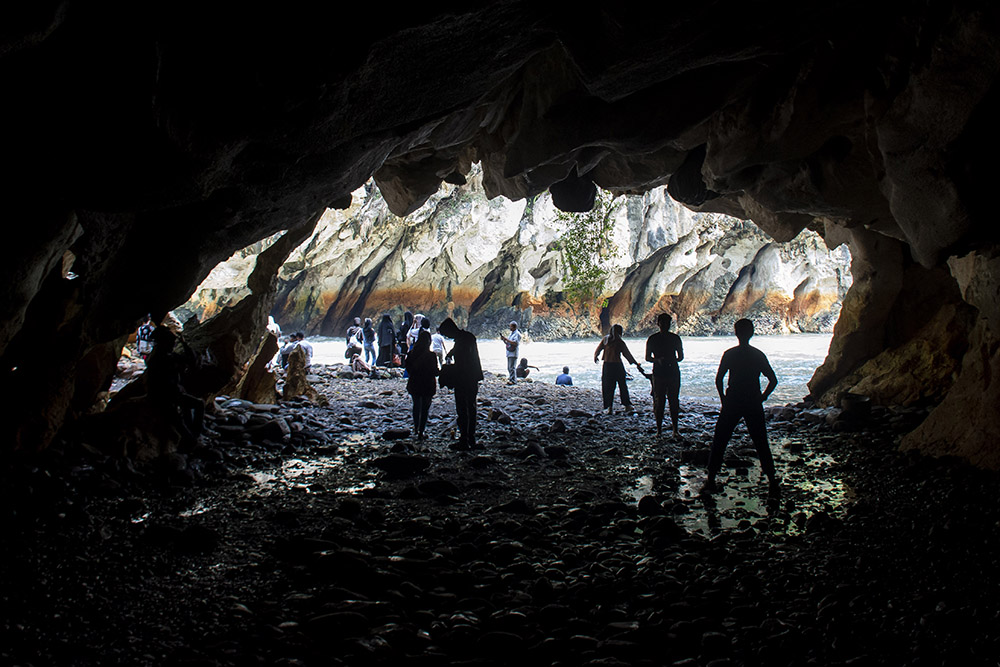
794	358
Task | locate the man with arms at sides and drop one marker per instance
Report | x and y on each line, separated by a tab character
664	349
743	400
468	373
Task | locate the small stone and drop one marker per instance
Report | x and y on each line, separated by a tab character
516	506
649	506
396	434
556	452
439	487
401	465
498	415
558	426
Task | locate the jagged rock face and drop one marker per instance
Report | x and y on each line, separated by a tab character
486	262
153	145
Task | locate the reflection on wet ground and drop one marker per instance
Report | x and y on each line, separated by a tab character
810	481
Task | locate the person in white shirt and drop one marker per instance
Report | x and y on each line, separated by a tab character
300	340
413	332
513	343
437	346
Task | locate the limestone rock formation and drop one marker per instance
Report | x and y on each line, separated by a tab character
152	146
296	379
486	262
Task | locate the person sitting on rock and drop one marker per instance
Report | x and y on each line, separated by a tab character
522	369
358	365
743	400
565	378
468	373
613	371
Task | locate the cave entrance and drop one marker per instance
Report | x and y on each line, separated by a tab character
706	270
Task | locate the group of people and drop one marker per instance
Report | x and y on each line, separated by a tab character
297	339
742	398
421	352
460	369
426	362
387	346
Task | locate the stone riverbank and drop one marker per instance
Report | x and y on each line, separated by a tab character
304	535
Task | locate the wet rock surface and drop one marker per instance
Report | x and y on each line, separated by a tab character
297	534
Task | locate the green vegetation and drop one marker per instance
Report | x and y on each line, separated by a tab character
587	248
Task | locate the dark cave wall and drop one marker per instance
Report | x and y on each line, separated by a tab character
153	141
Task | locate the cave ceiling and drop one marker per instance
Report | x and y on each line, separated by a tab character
152	140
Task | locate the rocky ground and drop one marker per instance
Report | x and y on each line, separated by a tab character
304	535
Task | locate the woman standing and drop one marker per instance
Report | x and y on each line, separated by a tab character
422	368
368	340
613	371
386	341
404	328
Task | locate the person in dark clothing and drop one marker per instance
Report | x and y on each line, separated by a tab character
164	369
386	341
664	349
402	345
522	369
743	400
422	368
144	337
468	373
368	340
613	371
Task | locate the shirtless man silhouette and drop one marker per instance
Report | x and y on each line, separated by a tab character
743	400
665	350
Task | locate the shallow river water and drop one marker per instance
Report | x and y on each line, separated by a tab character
793	357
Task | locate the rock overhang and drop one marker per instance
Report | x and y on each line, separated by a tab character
154	142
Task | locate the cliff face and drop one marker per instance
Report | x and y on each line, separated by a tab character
485	262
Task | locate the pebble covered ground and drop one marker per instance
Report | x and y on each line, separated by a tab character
304	535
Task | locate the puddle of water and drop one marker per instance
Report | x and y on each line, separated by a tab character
302	474
196	509
809	485
643	487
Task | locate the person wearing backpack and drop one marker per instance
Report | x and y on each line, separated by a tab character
144	338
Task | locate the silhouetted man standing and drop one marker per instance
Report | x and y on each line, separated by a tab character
664	349
468	373
743	400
